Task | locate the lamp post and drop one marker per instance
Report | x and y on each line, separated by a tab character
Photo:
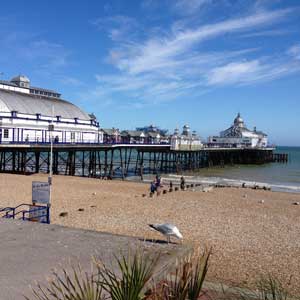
50	129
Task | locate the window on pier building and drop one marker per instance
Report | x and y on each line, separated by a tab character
13	113
6	133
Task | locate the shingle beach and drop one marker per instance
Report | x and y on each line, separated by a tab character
252	232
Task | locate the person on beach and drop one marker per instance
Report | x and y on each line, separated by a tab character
158	180
182	183
171	186
152	188
158	184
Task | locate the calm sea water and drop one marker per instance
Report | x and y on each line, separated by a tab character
280	174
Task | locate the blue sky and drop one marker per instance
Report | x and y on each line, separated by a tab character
163	62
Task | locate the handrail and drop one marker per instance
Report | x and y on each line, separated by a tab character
25	204
6	209
10	212
31	218
39	216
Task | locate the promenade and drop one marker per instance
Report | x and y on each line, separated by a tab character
30	251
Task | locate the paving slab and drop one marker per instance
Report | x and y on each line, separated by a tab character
30	251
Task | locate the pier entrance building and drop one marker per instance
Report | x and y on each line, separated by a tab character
26	113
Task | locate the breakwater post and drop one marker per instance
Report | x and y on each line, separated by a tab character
280	157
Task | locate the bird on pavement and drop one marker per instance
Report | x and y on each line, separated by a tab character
167	230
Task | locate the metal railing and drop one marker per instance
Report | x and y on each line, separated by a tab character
30	214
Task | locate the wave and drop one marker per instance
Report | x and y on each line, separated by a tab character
234	183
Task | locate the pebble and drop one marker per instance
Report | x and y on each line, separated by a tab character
207	189
296	203
94	194
63	214
262	201
80	209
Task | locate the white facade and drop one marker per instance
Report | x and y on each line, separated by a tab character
239	136
185	141
25	117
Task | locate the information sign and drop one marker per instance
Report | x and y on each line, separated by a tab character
40	192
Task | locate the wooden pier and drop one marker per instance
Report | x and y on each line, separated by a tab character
280	157
122	160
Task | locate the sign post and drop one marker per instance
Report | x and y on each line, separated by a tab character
40	195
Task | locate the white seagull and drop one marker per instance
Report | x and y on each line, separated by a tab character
167	230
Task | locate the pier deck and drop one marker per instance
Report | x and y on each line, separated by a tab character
122	160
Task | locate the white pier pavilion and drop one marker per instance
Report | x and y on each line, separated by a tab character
186	140
26	113
239	136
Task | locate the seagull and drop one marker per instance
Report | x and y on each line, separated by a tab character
167	230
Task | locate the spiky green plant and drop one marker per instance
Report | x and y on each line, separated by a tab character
198	274
75	286
267	288
176	286
187	282
270	288
135	273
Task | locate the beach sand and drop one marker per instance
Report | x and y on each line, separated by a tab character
249	238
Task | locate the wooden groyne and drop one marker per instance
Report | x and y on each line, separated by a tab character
109	161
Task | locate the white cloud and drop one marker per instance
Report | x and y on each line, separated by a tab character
187	7
69	80
294	51
267	33
170	64
149	4
263	4
118	26
233	72
249	72
161	52
53	55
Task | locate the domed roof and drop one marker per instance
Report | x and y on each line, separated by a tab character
238	120
30	104
21	78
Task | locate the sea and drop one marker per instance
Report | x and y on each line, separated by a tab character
279	176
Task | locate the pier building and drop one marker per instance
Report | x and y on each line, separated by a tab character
111	135
145	135
26	113
187	140
239	136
